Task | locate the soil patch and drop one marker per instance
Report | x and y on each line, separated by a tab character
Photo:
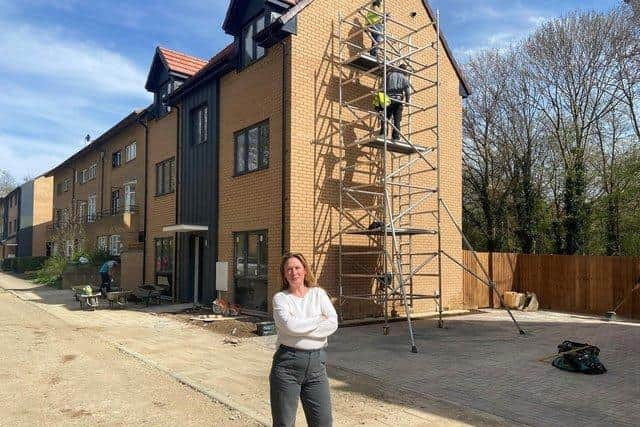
243	326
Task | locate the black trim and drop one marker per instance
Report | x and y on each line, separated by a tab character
146	189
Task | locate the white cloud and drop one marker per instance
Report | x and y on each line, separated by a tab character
55	90
32	51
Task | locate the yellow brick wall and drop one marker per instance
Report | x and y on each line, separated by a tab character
252	201
107	177
317	152
162	146
42	213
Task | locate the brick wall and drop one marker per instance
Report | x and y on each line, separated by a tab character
127	225
42	213
162	146
317	152
252	201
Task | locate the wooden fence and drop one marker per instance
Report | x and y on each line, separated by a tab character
576	284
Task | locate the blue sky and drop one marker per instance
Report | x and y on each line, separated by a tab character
74	67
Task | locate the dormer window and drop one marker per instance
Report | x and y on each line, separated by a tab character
250	50
163	92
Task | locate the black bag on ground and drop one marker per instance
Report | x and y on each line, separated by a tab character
579	357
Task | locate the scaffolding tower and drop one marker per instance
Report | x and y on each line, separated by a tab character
391	209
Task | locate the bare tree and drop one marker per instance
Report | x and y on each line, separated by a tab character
484	175
7	182
522	134
570	61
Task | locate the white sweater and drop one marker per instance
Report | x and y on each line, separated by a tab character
299	320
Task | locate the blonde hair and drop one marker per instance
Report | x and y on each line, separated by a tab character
309	278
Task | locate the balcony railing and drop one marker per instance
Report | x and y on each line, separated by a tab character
92	218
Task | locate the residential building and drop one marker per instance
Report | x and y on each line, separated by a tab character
25	215
9	210
94	202
169	69
259	157
102	191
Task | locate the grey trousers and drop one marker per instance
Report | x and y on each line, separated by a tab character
300	374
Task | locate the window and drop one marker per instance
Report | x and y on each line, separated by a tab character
164	256
130	197
115	245
166	177
66	185
116	159
250	269
250	49
83	176
115	202
64	217
81	211
130	152
252	148
93	169
68	248
91	208
199	124
103	243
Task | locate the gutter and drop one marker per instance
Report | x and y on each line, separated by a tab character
146	197
284	150
176	264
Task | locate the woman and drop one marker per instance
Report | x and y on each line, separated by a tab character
305	318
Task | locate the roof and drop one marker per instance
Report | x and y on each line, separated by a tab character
300	5
236	6
117	128
180	62
217	61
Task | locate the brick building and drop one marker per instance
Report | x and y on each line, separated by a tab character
105	192
25	215
259	155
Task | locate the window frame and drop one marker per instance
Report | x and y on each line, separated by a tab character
118	241
92	202
161	172
262	259
255	56
130	151
262	161
92	172
199	119
158	241
102	243
116	155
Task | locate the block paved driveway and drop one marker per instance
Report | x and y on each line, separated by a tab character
480	362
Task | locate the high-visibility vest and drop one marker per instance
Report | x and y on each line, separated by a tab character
373	18
380	100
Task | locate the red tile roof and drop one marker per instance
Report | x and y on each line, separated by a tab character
180	62
218	59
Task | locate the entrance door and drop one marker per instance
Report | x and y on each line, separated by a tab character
196	267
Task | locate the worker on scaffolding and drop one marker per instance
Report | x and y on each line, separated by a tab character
375	26
398	92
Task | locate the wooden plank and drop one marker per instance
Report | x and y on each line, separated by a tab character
577	284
